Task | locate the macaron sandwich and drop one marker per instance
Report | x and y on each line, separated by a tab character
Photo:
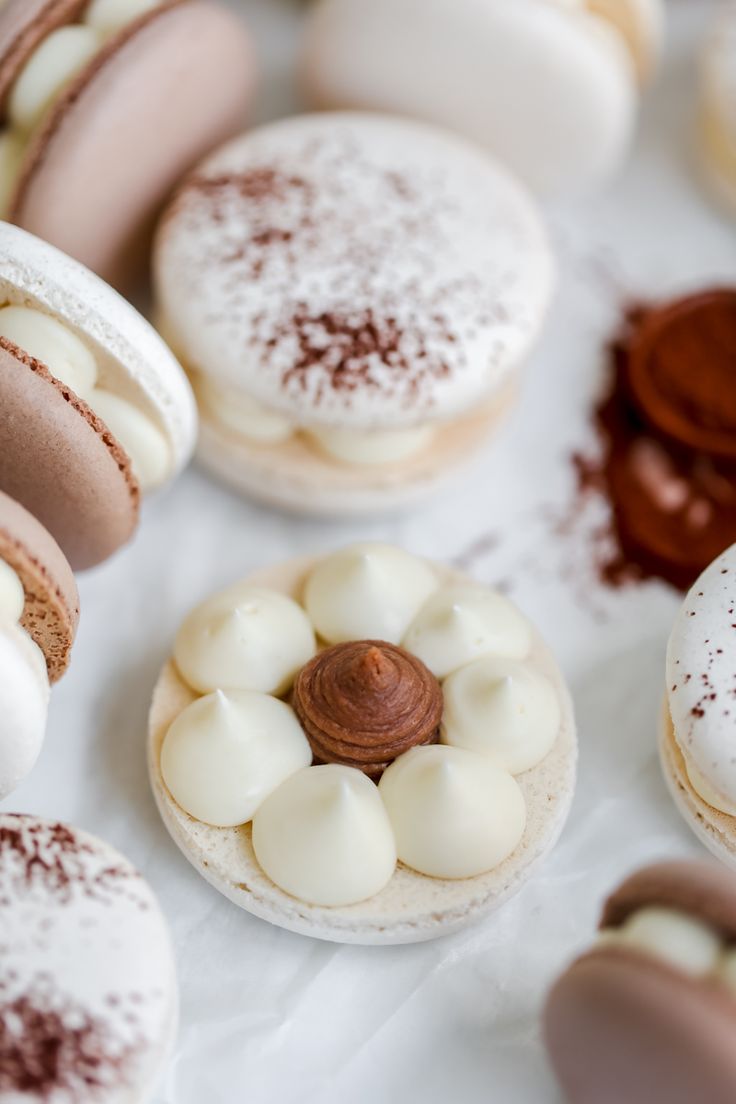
39	611
104	105
552	88
96	410
353	296
365	748
649	1014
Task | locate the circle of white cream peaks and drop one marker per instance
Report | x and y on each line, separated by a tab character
718	106
326	837
24	687
701	683
549	86
87	971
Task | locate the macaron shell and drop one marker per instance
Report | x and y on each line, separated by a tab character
621	1027
51	612
163	92
296	477
61	462
466	66
698	889
412	908
23	25
133	360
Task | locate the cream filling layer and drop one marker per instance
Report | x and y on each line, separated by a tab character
257	424
680	940
704	789
71	362
12	603
53	64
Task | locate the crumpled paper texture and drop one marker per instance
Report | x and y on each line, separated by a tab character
268	1016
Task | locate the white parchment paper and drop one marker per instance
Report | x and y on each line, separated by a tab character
272	1017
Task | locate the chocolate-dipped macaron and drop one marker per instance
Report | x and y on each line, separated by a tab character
96	410
366	747
104	105
39	612
649	1013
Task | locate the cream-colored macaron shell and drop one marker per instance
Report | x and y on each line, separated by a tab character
324	837
454	813
228	751
462	623
503	709
367	592
245	638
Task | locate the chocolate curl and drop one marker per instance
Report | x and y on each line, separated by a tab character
364	703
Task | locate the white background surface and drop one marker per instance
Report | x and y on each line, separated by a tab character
272	1017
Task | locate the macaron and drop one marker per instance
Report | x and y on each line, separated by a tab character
96	410
552	89
699	717
717	116
365	747
104	105
39	612
88	994
650	1012
353	296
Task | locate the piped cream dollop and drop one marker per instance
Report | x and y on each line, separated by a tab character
454	813
324	837
367	592
12	595
225	753
244	638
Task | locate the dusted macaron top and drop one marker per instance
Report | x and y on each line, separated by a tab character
701	682
354	271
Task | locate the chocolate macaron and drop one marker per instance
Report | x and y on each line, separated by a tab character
104	105
649	1013
39	612
96	410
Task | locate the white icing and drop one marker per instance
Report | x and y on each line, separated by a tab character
60	56
672	936
367	592
245	638
110	16
143	441
503	709
324	837
65	355
24	693
640	23
225	753
352	447
453	812
82	933
403	277
701	657
462	623
237	411
12	595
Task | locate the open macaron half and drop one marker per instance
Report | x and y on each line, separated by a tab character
649	1013
364	748
39	612
354	296
96	409
104	105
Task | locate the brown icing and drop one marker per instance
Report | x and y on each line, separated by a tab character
366	702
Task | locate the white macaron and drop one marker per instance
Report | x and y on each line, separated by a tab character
551	87
353	295
88	995
357	795
717	118
699	721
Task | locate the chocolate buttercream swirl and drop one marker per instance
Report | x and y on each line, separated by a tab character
364	703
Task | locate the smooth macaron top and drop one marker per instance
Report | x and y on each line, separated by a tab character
87	984
51	611
701	678
354	270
